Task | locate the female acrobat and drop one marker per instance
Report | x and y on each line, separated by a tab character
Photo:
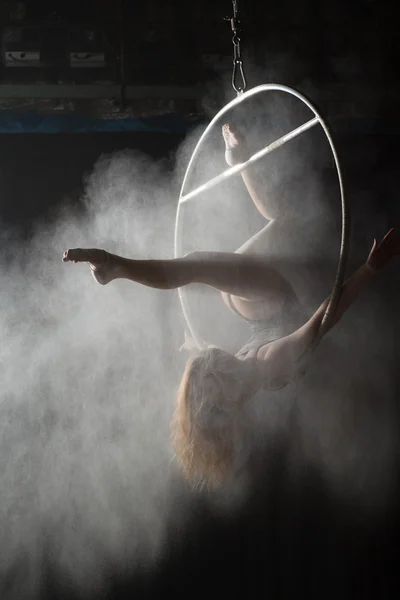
216	385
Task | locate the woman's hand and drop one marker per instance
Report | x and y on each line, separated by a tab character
382	254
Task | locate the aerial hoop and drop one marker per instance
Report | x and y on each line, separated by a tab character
185	198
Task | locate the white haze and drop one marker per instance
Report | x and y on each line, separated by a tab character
89	373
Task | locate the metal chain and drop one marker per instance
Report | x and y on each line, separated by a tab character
238	77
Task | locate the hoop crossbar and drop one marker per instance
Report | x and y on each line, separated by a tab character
252	160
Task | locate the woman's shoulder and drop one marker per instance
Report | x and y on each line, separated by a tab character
279	364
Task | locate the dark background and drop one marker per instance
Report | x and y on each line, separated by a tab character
290	539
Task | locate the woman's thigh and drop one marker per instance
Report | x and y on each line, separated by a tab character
256	310
272	243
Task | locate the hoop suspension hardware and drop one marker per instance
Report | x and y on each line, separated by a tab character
239	83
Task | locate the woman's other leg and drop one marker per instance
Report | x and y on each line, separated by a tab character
261	243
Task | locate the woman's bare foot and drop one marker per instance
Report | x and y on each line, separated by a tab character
101	263
235	146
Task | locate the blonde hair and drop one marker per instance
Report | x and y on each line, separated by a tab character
205	423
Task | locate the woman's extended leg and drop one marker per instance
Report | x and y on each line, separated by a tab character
258	285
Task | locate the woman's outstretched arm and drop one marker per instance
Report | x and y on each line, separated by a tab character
378	258
284	353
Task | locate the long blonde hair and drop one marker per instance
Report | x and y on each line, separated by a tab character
206	419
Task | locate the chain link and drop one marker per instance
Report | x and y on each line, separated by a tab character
238	77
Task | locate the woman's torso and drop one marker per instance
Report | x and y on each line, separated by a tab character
266	331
